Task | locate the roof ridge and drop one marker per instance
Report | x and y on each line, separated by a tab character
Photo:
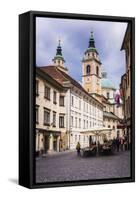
60	71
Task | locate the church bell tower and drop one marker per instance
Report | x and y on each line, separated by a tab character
91	69
59	60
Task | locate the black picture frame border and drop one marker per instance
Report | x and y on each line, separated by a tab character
27	63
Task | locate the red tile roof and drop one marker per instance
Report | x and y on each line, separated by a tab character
62	77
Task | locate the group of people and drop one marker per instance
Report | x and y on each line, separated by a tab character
120	143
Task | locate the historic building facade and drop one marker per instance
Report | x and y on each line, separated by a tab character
50	114
68	112
82	112
125	85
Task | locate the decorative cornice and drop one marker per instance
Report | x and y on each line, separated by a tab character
91	59
92	75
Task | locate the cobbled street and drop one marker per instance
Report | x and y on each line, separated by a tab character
66	166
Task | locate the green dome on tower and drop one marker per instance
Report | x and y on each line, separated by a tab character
59	53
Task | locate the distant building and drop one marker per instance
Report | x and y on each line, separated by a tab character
113	113
125	85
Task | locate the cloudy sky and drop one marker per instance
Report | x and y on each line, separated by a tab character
74	35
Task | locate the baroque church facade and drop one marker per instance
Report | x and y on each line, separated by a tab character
67	111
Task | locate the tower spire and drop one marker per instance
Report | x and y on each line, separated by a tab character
59	59
91	41
59	49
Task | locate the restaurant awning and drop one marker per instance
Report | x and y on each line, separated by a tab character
97	131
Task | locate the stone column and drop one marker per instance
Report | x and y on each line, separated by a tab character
50	143
58	141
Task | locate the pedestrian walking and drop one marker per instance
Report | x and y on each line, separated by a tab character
121	143
117	144
125	143
78	148
114	144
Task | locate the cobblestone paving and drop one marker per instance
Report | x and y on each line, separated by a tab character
67	166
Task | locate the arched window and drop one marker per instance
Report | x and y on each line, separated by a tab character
88	69
97	71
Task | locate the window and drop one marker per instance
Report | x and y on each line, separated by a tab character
88	70
80	104
72	100
54	97
107	95
79	123
61	121
87	107
61	100
47	93
54	119
87	124
109	126
97	71
114	127
76	122
79	137
75	138
37	88
83	123
46	117
84	107
71	121
37	114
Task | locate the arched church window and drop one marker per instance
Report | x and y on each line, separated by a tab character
88	69
97	71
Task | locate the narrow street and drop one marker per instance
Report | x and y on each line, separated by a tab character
67	166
